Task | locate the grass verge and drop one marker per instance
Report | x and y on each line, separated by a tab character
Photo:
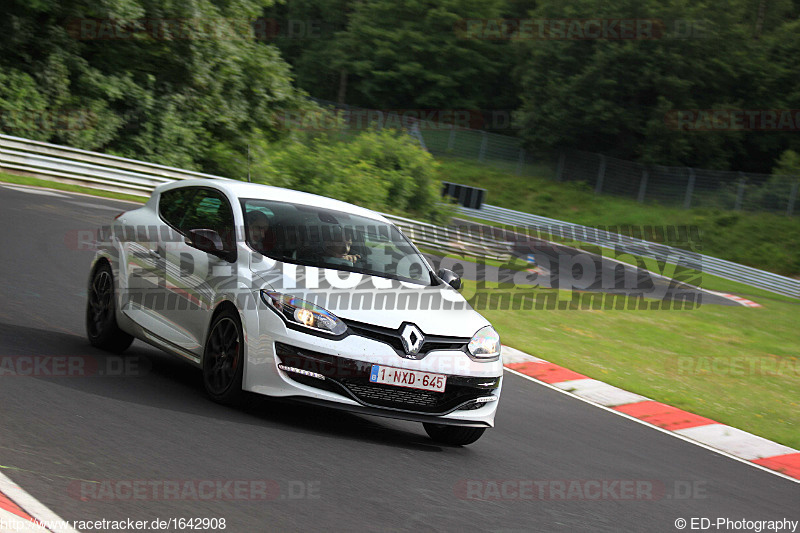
736	365
38	182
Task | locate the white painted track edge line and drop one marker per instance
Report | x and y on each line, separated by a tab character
662	430
31	505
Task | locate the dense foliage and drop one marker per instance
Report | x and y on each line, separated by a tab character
396	55
617	96
384	170
203	84
153	77
613	95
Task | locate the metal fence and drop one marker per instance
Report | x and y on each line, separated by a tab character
672	186
680	186
444	139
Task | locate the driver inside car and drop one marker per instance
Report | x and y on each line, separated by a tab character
337	250
259	233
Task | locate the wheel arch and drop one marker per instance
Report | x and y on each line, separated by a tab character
100	260
221	307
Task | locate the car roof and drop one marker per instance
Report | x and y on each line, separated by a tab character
241	189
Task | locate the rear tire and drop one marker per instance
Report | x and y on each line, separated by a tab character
101	318
223	360
454	435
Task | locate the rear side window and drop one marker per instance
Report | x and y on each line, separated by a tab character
208	209
173	205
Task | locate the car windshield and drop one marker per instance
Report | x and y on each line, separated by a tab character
324	238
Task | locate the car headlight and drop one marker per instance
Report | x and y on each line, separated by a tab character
485	344
303	313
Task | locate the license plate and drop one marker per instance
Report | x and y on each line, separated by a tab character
413	379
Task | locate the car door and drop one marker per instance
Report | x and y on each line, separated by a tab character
193	277
143	295
146	261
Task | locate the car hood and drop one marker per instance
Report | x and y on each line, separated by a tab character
436	310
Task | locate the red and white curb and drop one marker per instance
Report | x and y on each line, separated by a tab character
19	511
738	299
746	447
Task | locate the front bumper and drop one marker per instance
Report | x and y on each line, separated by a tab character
350	378
335	372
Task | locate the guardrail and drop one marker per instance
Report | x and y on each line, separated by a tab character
118	174
90	169
128	176
452	240
630	245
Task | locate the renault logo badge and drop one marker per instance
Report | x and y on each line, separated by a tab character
412	339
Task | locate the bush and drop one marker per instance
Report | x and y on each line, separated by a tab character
382	170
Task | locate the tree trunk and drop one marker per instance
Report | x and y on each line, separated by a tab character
762	9
340	98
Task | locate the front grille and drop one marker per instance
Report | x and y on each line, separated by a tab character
351	378
392	338
394	396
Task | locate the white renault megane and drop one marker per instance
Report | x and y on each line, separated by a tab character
284	293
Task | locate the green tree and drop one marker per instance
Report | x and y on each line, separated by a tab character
384	54
788	164
411	54
305	33
169	82
618	96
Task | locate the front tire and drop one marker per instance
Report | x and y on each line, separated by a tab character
101	319
453	435
223	359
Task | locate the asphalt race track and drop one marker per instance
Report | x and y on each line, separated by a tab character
641	283
587	270
324	470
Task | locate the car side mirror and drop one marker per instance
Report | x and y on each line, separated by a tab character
450	277
209	241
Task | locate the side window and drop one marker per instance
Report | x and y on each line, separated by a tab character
172	205
209	209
